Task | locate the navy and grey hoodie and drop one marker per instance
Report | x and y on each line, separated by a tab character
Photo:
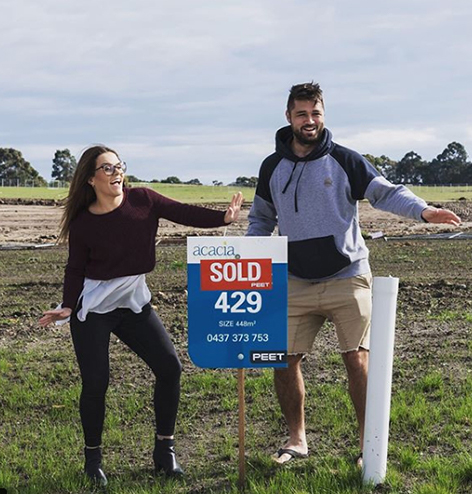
314	202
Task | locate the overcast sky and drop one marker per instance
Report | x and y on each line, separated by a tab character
197	89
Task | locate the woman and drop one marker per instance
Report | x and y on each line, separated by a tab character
111	232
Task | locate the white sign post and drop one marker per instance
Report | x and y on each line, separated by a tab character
379	382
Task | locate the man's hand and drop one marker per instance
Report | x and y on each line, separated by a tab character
232	213
437	215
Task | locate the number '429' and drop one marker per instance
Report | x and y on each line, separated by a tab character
239	302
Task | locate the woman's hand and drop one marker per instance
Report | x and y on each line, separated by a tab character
232	213
55	315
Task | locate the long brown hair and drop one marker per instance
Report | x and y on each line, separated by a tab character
81	193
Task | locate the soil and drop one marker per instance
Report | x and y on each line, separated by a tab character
38	222
433	316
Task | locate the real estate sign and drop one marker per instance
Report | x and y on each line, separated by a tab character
237	301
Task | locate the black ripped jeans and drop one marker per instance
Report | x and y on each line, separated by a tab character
147	337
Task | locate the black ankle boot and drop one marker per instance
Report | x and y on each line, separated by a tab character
164	458
93	466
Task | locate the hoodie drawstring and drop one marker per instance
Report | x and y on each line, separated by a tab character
290	178
296	185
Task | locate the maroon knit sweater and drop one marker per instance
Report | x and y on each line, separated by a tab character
122	242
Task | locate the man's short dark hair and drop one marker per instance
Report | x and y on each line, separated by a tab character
308	91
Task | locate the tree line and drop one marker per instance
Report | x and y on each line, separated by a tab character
14	167
452	166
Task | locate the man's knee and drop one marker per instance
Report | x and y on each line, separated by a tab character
293	369
356	361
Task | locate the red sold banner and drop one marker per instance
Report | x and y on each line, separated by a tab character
236	274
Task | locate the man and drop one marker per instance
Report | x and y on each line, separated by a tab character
310	187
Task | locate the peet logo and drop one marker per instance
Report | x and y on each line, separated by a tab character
215	251
267	356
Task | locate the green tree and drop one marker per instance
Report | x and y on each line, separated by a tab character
14	167
63	166
171	180
246	182
449	167
383	164
194	181
410	169
133	179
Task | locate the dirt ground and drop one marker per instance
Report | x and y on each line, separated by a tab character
39	223
432	335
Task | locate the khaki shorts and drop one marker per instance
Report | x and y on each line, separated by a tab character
346	302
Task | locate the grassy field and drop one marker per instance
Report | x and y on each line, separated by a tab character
431	419
442	193
33	193
207	194
184	193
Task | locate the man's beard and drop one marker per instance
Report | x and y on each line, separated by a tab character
308	141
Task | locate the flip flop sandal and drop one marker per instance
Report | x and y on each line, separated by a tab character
293	454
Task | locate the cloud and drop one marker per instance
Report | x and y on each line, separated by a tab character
396	142
375	141
46	106
224	157
200	87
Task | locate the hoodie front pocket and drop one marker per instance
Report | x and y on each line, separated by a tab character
315	258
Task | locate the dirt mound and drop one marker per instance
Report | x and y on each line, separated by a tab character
462	208
37	221
31	202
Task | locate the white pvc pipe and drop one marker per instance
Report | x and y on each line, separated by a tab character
379	382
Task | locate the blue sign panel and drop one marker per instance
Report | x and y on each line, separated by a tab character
237	301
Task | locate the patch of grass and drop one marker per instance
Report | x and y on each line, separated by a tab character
184	193
206	193
33	193
451	315
441	193
431	382
431	413
178	265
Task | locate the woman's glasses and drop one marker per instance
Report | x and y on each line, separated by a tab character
110	169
